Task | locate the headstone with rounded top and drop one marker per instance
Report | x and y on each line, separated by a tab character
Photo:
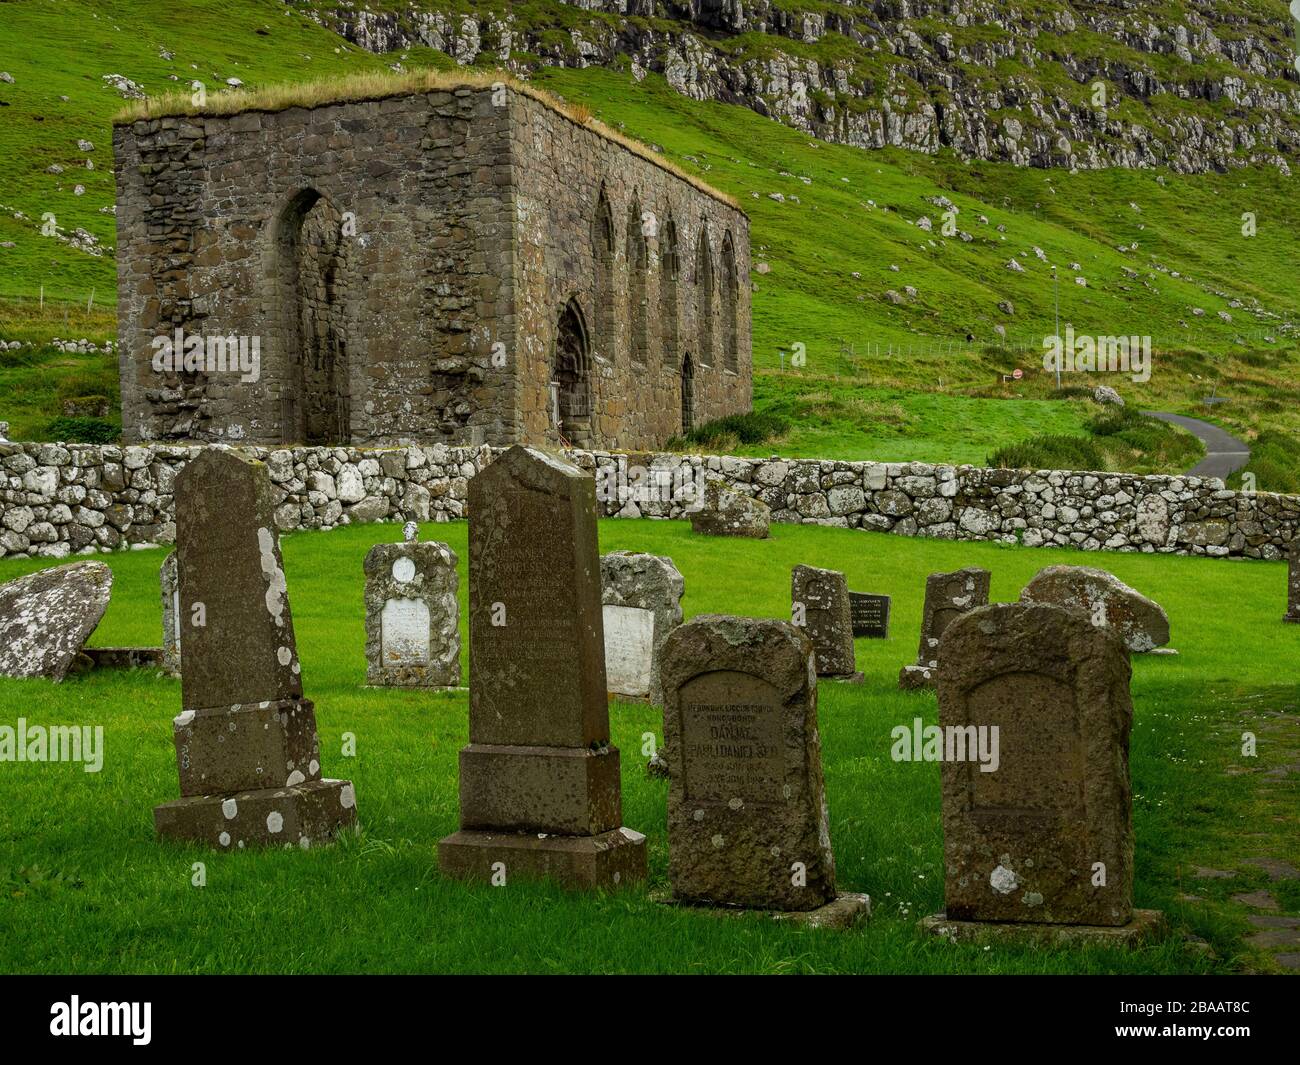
947	597
641	598
246	744
1035	712
748	824
412	614
540	786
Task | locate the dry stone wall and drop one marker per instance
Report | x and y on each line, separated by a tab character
65	499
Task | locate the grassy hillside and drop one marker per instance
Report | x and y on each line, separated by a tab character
889	370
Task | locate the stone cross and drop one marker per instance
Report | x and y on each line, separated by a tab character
540	788
642	604
819	603
412	616
1293	584
747	818
947	597
246	744
1035	711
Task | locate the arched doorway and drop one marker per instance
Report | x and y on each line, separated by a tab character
688	394
308	274
570	378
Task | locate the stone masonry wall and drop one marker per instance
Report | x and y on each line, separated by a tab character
405	265
567	175
62	499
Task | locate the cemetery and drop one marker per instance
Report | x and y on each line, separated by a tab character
424	739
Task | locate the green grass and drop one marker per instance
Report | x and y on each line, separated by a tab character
87	888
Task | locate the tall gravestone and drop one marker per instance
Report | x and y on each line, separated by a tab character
246	744
819	604
171	614
947	597
540	789
1046	837
641	598
412	614
1293	585
748	823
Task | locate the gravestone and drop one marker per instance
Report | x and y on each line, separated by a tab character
412	615
726	512
947	597
46	618
819	604
246	745
870	615
748	824
1293	585
1106	600
641	598
1046	836
540	788
171	614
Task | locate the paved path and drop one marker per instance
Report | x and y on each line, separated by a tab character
1224	453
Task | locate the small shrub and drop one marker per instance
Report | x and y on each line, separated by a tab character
1050	452
83	431
723	434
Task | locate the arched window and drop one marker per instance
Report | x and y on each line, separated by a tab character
571	377
730	307
602	239
704	297
688	394
638	262
669	270
308	267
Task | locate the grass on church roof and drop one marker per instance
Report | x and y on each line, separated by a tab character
378	85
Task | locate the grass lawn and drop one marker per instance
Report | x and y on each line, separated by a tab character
86	887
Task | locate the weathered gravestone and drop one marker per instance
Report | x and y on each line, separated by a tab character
641	599
726	512
1046	836
246	744
47	616
869	615
412	615
1293	585
947	597
819	604
1106	600
540	790
748	824
171	614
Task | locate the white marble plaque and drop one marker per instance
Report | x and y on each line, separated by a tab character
405	632
629	649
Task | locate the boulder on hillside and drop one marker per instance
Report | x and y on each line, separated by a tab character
726	512
1140	622
46	618
1105	395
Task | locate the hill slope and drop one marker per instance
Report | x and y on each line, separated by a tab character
890	372
1193	85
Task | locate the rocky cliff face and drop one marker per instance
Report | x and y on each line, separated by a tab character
1047	83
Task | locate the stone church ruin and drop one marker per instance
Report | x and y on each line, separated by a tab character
462	264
